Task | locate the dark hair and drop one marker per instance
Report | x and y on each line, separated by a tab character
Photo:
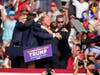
79	45
53	25
31	16
42	18
59	16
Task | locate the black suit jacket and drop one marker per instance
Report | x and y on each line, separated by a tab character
21	32
44	38
63	43
89	40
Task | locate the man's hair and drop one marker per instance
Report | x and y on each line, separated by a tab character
59	16
22	15
79	45
42	18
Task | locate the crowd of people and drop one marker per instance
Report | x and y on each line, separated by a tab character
73	30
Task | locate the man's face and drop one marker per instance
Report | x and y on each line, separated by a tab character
60	22
75	51
46	21
12	17
23	18
53	8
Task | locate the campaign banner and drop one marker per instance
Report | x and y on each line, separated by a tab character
95	50
37	53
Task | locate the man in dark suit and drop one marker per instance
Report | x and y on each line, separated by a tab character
22	31
19	40
63	46
22	37
45	38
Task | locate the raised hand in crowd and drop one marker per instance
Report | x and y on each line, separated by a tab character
3	15
76	67
66	14
86	68
32	4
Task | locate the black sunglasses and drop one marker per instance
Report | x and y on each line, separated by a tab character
90	55
60	21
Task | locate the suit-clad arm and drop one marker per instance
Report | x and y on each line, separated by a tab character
24	26
31	22
88	41
20	26
42	34
64	35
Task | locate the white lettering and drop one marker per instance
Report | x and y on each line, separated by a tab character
38	53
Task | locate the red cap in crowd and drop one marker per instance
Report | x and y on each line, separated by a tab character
53	4
91	35
82	56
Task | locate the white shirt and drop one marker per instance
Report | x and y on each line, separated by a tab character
72	36
80	7
37	4
53	15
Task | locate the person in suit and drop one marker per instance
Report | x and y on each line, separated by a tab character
45	38
21	37
63	46
20	27
18	40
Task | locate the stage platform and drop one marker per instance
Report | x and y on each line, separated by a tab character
24	71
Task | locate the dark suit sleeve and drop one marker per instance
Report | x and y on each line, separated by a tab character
42	34
30	22
39	32
21	26
88	41
64	35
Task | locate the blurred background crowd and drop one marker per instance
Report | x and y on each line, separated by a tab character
72	27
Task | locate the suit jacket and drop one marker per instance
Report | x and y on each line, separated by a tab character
41	34
63	43
32	39
44	38
20	32
89	40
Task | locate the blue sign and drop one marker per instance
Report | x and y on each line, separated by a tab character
95	50
37	53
